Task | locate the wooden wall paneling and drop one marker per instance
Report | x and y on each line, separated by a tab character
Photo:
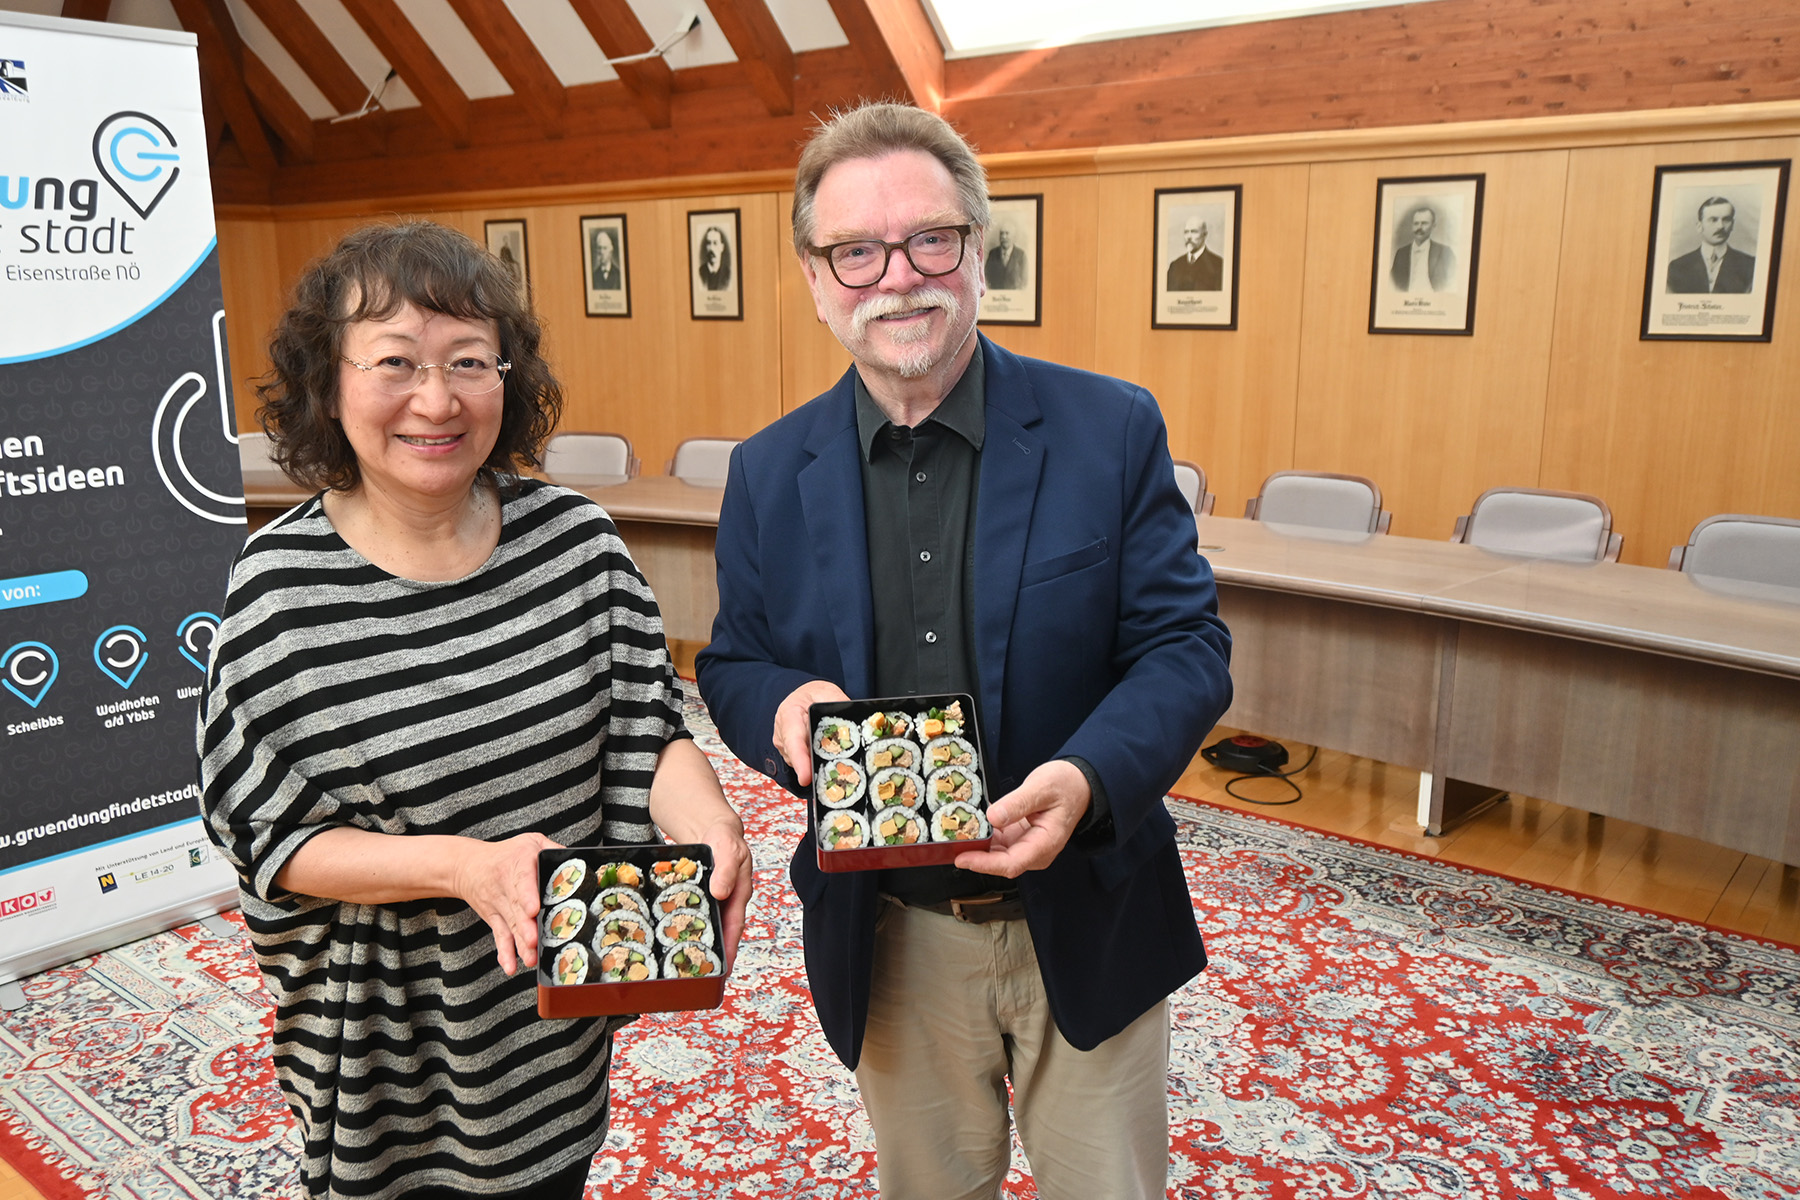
812	359
1068	256
248	270
1228	396
1666	432
1432	419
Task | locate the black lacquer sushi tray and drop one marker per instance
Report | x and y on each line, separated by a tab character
898	781
628	929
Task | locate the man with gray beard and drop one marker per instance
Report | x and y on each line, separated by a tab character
952	518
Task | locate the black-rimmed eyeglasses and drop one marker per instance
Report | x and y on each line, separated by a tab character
864	263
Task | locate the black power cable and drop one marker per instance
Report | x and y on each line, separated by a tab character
1256	758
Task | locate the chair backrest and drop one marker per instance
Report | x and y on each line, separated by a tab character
1320	499
703	460
1541	523
1741	546
579	458
254	459
1191	479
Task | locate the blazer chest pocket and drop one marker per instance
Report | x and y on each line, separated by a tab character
1063	564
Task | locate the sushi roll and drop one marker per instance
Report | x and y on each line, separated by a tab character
564	921
620	900
677	898
685	925
835	738
568	882
692	962
844	831
947	784
937	722
667	873
617	874
951	751
878	726
898	826
840	784
614	928
625	963
958	822
893	785
571	964
892	752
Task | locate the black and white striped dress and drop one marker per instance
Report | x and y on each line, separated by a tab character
532	695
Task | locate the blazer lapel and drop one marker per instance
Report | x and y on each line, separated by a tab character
1012	460
831	498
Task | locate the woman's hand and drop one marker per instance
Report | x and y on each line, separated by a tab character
688	805
499	881
733	879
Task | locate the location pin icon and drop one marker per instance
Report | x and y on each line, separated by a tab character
194	636
27	670
136	154
119	652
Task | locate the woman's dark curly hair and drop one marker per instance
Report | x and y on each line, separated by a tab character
367	277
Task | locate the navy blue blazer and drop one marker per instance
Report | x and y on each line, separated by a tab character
1097	634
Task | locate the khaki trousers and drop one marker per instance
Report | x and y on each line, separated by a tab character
957	1009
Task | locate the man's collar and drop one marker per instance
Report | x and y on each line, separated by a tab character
962	411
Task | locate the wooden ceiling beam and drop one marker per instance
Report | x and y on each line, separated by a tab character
280	108
222	66
516	57
616	28
756	39
408	53
313	52
86	10
897	42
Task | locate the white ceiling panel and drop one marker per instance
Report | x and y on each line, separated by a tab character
336	23
151	14
808	24
281	64
700	48
455	47
560	36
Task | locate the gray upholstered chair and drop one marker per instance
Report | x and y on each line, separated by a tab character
1320	499
1741	546
1191	479
581	459
703	460
1541	523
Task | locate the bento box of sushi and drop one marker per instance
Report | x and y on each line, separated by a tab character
628	929
898	781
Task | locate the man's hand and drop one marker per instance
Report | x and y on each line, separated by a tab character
1033	822
793	731
499	881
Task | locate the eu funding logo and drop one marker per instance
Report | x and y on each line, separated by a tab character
33	901
12	81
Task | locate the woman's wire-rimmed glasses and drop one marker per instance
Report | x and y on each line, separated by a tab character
468	375
864	263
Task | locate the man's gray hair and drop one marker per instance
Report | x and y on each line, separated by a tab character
877	128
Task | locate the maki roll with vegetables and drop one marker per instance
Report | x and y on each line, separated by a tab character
564	921
669	872
938	722
892	785
881	725
684	926
898	826
958	822
844	831
949	751
840	784
571	964
620	900
676	898
892	752
835	738
618	874
951	785
690	961
625	963
568	882
621	927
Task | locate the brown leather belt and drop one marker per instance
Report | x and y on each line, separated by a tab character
979	910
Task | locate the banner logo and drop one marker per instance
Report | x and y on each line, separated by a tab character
194	636
170	440
27	670
12	80
136	154
31	901
108	883
119	652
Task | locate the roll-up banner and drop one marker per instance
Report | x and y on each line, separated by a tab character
121	501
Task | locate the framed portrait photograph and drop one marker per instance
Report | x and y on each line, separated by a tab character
506	241
1427	251
1194	261
605	275
716	286
1010	261
1715	251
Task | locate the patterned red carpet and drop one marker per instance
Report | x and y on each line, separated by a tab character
1372	1025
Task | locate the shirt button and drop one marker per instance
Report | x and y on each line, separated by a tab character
924	556
920	477
930	636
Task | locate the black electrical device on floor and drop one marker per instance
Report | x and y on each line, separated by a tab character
1255	757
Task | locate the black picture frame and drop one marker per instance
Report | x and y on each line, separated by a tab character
1686	299
606	285
1443	303
1194	257
715	273
506	241
1019	266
